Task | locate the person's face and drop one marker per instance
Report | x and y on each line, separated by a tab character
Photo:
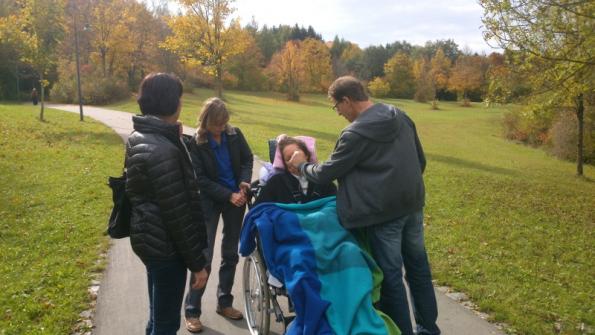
344	108
287	153
216	129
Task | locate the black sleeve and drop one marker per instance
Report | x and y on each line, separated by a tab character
246	159
174	201
347	153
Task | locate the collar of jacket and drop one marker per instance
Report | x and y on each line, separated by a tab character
201	134
153	124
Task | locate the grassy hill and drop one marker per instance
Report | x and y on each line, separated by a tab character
508	224
54	205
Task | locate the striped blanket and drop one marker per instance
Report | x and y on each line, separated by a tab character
327	275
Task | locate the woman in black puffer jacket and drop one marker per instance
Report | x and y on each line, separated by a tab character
167	228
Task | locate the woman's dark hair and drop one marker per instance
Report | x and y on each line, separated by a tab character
285	141
347	86
159	94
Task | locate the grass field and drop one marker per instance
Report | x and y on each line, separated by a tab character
53	210
507	224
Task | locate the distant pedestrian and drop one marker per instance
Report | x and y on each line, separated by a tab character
34	97
378	162
167	230
223	162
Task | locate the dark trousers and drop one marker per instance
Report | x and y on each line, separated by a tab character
398	243
232	225
166	282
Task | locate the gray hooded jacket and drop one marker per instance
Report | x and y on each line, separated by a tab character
378	162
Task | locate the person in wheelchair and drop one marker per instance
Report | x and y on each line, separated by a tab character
287	185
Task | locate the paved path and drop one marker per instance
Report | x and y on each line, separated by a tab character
122	303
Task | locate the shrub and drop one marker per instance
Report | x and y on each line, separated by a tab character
379	88
96	89
563	137
528	125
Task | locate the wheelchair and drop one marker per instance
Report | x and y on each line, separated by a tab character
262	297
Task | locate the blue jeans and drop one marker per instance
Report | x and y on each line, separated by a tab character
232	226
166	281
398	243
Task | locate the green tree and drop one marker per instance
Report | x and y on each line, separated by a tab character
247	67
204	36
399	73
555	40
37	29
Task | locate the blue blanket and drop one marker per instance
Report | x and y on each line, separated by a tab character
327	275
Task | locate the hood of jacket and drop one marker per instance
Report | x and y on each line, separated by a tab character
379	123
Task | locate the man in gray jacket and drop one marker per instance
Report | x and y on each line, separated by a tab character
378	162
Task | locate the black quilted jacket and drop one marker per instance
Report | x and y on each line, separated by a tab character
167	220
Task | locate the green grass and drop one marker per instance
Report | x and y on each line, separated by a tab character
53	211
508	224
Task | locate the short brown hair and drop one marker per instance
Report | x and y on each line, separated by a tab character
347	86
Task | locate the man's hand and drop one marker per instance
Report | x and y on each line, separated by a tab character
238	199
200	279
297	159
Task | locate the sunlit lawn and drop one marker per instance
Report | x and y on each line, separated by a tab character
54	206
508	224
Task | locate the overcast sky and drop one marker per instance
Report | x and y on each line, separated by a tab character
375	21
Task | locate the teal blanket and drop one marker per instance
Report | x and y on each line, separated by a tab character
328	276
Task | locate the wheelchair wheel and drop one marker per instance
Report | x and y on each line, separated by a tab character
256	295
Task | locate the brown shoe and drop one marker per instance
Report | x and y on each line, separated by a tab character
193	325
230	313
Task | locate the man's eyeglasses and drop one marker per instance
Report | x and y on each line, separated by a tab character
336	105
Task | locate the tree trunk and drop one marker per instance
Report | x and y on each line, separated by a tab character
581	123
219	81
18	84
42	95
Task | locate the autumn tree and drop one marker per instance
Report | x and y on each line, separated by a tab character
287	71
37	29
379	88
440	72
109	30
399	73
247	67
555	40
424	85
203	36
317	65
466	76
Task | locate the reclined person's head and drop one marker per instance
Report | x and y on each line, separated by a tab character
287	146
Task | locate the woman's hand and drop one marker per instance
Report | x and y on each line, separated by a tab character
200	279
245	188
238	199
